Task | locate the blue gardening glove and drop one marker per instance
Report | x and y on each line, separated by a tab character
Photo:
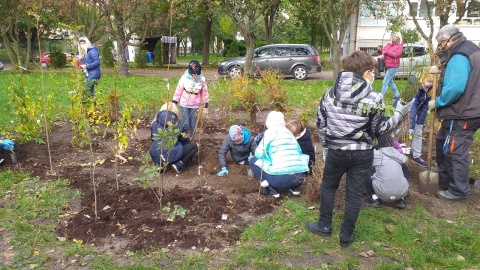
7	145
222	172
250	157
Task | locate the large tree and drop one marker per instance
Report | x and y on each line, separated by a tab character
335	18
87	19
126	19
22	22
245	15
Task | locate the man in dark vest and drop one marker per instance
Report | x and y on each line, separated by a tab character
457	107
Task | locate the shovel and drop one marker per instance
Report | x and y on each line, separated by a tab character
429	179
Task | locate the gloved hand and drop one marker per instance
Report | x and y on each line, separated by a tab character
325	153
410	134
402	145
223	172
406	150
404	108
7	145
431	105
250	157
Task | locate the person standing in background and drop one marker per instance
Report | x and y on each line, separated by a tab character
391	55
90	64
191	93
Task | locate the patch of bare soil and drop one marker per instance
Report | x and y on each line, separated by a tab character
218	208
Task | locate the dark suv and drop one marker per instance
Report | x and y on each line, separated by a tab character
297	60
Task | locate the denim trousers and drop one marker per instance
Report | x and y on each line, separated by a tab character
189	119
388	81
278	182
452	161
358	166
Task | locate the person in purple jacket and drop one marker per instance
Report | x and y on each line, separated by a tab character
391	55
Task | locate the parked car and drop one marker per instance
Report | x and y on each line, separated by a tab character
45	58
413	59
1	66
297	60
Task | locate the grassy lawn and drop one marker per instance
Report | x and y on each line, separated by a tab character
391	239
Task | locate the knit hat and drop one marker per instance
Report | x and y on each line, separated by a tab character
275	119
236	134
194	68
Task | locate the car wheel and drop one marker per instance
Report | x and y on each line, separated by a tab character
44	64
234	71
300	73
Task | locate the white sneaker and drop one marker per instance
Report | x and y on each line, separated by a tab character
264	183
294	192
276	196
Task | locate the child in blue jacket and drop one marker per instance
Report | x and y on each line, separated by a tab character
182	149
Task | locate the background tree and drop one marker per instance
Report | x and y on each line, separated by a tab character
335	18
127	19
86	18
19	22
271	13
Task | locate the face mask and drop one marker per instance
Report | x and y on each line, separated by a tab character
428	84
394	40
83	46
373	78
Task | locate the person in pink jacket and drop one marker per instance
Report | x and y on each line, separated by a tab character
391	55
191	93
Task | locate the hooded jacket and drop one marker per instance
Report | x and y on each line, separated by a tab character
351	115
92	60
159	147
388	180
305	142
191	92
278	152
239	152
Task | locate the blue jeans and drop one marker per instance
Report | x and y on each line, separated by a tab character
357	165
278	182
388	81
189	119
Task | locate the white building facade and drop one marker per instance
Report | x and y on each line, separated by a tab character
366	32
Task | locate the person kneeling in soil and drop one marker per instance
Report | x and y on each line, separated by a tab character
304	139
241	145
182	149
389	180
6	145
278	162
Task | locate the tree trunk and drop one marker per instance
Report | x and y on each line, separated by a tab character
206	40
122	63
337	53
250	44
313	35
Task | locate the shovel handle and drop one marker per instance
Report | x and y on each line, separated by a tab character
431	125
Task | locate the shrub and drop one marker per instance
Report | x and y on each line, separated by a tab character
141	58
158	54
244	90
58	59
274	93
108	58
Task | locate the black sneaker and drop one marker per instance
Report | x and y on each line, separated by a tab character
178	167
420	161
401	204
347	241
316	228
372	202
271	191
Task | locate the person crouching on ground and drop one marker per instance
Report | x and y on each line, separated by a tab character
389	178
240	143
278	162
181	151
304	139
7	145
350	116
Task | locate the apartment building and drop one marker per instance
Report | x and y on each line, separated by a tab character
366	32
